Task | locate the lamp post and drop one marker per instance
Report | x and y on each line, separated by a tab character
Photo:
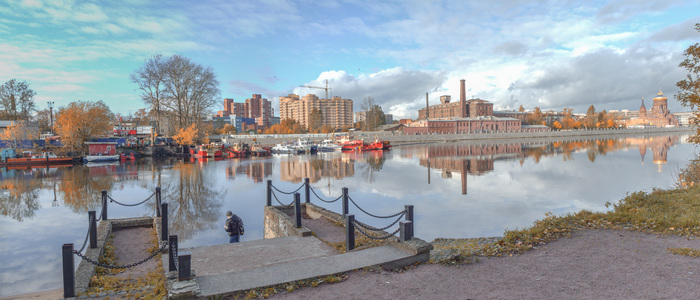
51	113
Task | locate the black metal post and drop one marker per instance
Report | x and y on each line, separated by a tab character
104	205
184	266
158	201
172	252
68	271
406	231
297	210
269	192
93	228
164	222
306	189
409	213
349	233
345	201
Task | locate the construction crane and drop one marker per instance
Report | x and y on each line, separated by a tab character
318	87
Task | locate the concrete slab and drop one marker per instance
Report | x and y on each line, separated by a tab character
226	258
234	280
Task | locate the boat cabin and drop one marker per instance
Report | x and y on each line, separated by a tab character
102	148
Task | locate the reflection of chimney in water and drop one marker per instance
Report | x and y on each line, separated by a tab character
428	170
464	166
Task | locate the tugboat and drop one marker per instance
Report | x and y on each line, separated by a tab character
238	150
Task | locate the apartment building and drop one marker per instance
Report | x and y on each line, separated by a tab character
336	112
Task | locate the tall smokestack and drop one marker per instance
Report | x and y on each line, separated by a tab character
427	107
462	99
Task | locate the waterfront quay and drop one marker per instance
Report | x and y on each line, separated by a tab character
399	138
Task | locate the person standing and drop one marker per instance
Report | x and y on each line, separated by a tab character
234	227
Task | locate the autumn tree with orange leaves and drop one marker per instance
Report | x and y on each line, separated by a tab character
186	136
287	126
81	120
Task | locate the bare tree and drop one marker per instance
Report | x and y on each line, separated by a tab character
181	88
150	79
17	100
374	116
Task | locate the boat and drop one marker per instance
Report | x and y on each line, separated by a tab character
378	145
100	157
353	145
328	146
305	145
286	149
238	150
259	150
29	158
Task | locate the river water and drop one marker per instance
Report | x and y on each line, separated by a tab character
459	190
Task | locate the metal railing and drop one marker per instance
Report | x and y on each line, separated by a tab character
68	249
405	228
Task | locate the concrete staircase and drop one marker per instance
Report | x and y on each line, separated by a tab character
228	268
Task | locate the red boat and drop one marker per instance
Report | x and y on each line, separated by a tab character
238	150
31	159
356	145
378	145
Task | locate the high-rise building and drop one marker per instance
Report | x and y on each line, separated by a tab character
336	112
256	107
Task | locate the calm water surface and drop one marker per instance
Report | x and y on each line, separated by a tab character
458	190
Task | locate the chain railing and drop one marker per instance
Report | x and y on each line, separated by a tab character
320	198
405	227
69	251
135	204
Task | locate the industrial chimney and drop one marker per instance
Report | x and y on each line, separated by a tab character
427	107
462	99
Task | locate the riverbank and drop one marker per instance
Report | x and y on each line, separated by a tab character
398	139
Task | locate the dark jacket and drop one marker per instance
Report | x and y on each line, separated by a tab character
231	227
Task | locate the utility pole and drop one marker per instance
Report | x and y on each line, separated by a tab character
51	113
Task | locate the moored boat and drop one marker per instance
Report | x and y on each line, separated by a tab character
328	145
286	149
32	159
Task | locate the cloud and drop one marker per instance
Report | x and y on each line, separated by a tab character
677	32
397	90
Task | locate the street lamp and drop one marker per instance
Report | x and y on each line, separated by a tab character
51	113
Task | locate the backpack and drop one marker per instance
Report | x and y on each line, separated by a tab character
236	226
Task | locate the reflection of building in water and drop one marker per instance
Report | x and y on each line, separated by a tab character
296	169
255	170
467	159
659	146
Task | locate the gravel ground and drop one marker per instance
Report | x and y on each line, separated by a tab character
591	264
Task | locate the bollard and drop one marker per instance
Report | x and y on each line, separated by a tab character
184	266
306	189
104	205
68	271
172	252
349	233
297	210
406	231
158	201
409	213
269	192
93	229
164	222
345	201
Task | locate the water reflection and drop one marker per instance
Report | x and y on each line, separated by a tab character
195	204
478	159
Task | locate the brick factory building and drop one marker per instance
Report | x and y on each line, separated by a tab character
465	116
336	112
257	108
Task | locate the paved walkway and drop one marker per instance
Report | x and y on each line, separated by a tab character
228	268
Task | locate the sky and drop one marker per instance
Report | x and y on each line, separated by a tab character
547	54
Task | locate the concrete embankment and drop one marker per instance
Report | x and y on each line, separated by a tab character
397	139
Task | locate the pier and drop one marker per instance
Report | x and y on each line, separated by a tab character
302	241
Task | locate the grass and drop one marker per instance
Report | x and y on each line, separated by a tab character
685	251
149	286
668	212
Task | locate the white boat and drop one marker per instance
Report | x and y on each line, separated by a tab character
328	145
94	158
284	148
305	145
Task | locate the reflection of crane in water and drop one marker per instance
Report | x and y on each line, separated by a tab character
318	87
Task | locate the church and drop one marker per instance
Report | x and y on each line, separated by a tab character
658	116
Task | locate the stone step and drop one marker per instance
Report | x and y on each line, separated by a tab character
283	271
